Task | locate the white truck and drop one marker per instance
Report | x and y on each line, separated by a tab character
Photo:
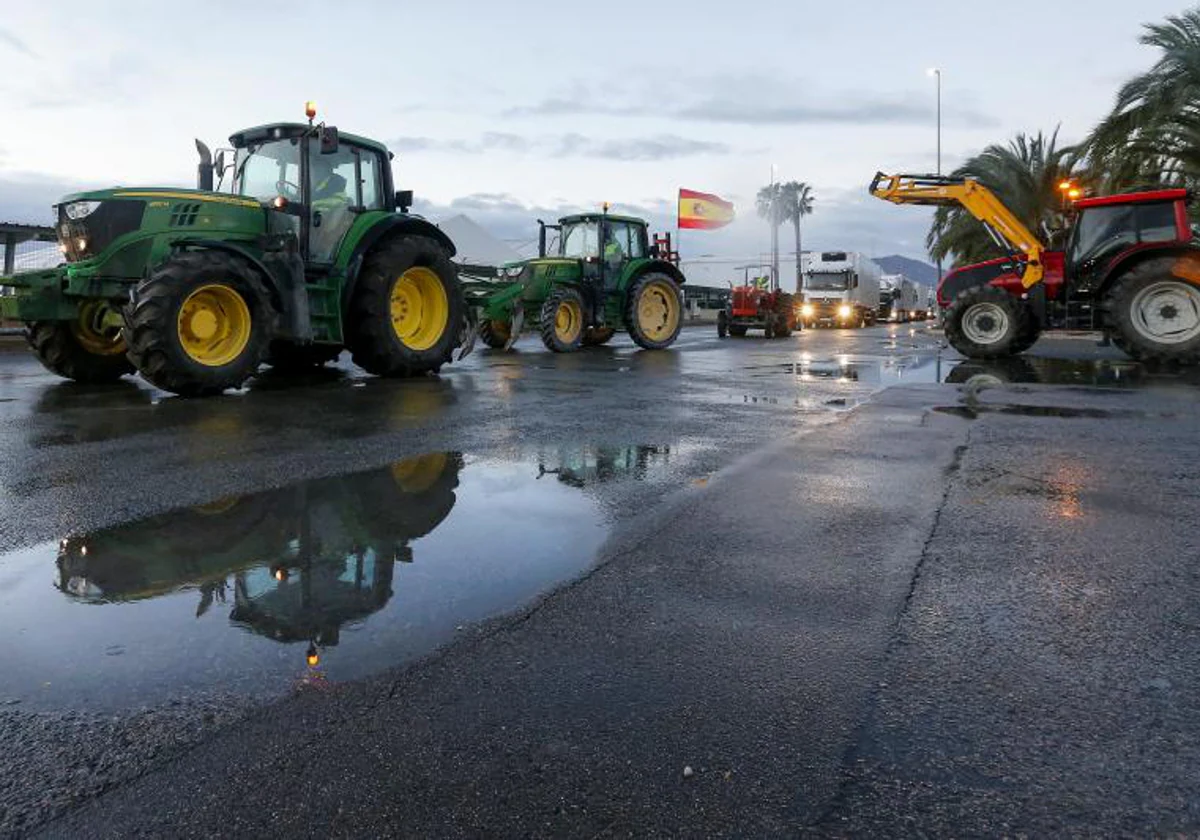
839	288
900	299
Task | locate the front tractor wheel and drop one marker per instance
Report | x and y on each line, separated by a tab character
987	323
199	324
1155	315
561	320
654	311
495	334
87	350
406	312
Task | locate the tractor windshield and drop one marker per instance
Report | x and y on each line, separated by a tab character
580	240
827	281
267	170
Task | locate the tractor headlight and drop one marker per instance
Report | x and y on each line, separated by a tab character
807	310
77	210
845	311
513	271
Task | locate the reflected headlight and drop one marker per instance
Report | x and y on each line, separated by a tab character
845	311
807	310
77	210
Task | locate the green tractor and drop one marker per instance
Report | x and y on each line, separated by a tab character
603	275
308	251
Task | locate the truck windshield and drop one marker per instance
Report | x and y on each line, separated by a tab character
580	239
266	170
826	281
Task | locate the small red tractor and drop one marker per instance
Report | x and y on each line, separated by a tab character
758	304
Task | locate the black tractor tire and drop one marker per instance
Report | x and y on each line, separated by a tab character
495	333
987	323
769	326
289	357
372	334
1154	315
737	330
153	323
57	345
561	320
782	328
394	510
597	336
722	324
1031	331
654	327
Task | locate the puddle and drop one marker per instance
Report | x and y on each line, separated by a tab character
329	579
973	412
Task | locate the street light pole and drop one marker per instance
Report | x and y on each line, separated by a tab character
936	72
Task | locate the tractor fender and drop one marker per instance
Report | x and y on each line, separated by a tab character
1135	256
667	268
268	279
398	225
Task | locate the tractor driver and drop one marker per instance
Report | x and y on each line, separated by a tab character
614	254
330	206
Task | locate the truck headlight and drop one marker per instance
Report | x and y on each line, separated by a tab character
807	310
845	311
77	210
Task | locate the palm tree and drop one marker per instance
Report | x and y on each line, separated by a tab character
769	202
1152	135
1025	174
796	198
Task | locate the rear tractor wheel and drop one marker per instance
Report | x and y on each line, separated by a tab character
561	320
495	334
88	349
199	324
722	324
1155	314
654	311
986	323
406	312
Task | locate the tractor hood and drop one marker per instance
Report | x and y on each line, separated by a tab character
557	267
156	193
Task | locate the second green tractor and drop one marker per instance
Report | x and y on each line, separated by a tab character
600	273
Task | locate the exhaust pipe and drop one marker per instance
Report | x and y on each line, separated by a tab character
204	172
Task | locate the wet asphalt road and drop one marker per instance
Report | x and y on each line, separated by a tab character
851	600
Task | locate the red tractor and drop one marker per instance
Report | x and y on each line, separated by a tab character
758	304
1131	268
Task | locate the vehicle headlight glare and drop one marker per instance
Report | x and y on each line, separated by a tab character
844	311
77	210
807	310
81	244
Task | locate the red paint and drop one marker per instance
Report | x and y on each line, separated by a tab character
1132	198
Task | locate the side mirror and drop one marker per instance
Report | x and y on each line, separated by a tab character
329	140
219	164
404	200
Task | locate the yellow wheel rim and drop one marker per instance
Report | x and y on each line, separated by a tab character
92	334
214	325
420	309
658	310
218	506
568	321
416	475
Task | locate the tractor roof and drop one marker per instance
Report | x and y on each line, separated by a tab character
277	131
595	217
1132	198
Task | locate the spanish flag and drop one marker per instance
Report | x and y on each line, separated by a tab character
701	211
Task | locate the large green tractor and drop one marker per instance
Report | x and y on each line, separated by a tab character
604	275
308	250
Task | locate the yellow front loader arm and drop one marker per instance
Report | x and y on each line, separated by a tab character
939	191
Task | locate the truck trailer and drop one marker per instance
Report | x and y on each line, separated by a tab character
900	299
839	288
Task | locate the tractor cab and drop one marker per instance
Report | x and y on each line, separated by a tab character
602	243
321	181
1109	229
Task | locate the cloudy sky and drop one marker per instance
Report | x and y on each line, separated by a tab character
511	110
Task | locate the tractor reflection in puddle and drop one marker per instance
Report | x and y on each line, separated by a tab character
1110	373
581	466
300	562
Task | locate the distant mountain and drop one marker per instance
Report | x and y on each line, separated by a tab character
922	272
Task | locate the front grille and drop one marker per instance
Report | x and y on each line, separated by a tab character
184	215
84	238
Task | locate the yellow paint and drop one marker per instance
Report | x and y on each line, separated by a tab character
416	475
218	199
568	321
214	325
91	333
420	309
658	310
